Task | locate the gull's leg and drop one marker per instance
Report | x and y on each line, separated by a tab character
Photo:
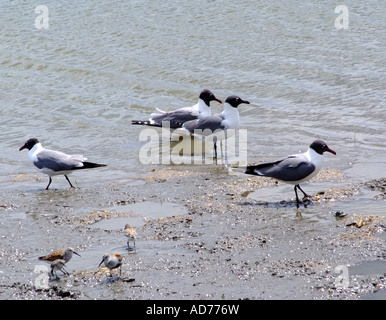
69	182
49	182
305	194
296	193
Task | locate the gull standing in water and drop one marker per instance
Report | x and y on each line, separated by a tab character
178	117
217	125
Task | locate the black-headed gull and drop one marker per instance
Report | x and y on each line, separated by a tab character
177	117
296	168
217	124
51	162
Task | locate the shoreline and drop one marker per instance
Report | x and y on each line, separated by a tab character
215	242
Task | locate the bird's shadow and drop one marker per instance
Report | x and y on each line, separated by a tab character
55	277
131	250
109	279
115	279
278	204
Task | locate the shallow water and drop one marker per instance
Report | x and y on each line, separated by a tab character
78	84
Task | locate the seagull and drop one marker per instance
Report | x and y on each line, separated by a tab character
130	233
53	162
177	117
217	124
112	261
63	254
296	168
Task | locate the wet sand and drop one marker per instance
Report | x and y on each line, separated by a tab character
200	236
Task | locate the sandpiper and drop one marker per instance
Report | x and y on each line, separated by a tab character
58	264
112	261
130	233
64	254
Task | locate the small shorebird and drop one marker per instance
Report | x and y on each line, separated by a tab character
58	264
130	233
63	254
295	168
112	261
51	162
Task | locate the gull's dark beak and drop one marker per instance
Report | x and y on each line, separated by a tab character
332	151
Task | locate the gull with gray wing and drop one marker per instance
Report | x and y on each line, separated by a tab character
51	162
217	125
296	168
177	118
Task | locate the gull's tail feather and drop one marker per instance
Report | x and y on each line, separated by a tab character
90	165
141	122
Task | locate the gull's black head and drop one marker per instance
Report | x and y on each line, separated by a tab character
235	101
207	96
320	147
29	144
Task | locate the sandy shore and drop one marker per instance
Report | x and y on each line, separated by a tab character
214	243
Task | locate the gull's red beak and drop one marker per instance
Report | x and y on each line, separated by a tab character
332	151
